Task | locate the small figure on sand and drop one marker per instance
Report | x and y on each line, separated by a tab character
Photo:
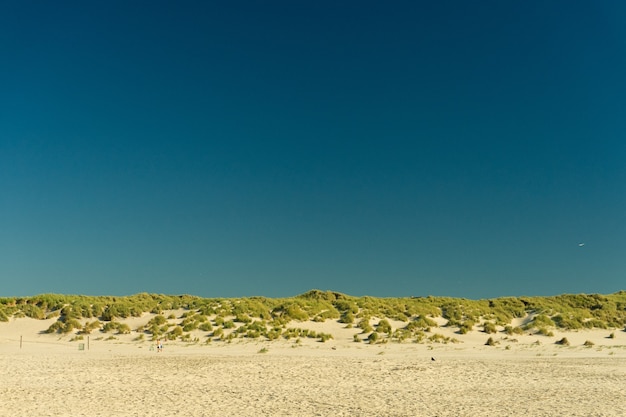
159	345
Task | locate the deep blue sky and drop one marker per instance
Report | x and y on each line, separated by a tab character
227	149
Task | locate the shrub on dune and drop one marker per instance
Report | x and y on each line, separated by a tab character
383	326
545	332
70	325
177	331
466	326
347	317
33	312
510	330
489	327
206	326
89	327
274	333
439	338
323	337
55	327
562	342
123	328
364	324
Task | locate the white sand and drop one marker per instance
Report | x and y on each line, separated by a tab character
50	376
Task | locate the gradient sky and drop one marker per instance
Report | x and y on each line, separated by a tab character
228	149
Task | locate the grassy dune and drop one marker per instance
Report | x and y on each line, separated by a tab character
267	318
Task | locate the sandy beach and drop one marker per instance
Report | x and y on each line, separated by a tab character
49	375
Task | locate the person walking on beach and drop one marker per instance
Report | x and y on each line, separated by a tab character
159	345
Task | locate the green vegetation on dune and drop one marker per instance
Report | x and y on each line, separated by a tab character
374	318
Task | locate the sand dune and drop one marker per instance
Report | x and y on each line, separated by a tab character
50	376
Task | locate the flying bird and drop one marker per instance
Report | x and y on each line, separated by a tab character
580	245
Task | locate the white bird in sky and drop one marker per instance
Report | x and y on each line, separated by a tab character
581	244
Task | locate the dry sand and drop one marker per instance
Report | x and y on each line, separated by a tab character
50	376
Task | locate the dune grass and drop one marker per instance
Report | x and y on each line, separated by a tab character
267	318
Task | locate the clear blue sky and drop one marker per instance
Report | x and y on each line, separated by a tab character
228	149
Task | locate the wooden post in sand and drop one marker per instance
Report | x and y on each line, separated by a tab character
87	342
20	342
